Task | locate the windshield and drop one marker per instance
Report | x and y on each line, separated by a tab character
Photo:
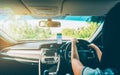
27	27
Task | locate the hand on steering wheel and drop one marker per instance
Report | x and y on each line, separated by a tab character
85	50
74	52
98	51
74	40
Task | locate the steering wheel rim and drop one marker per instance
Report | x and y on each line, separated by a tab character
87	55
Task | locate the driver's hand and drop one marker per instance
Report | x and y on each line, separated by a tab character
74	40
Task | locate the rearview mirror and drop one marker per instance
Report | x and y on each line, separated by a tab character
49	23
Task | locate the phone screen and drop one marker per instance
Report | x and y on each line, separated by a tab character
59	38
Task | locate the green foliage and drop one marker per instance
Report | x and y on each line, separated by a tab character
29	32
68	32
83	32
20	29
24	31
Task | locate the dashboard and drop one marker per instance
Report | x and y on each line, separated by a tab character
32	51
34	54
43	55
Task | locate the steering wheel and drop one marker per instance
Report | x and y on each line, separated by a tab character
88	56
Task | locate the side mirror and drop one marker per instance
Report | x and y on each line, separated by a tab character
49	23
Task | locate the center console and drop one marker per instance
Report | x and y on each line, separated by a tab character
49	56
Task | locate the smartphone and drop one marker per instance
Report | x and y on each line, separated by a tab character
59	38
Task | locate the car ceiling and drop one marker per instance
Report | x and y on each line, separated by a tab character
58	7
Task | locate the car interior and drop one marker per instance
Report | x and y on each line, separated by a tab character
35	34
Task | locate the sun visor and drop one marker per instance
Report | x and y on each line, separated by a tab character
87	7
68	7
44	7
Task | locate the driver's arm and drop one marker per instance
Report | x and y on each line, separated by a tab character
74	52
98	51
77	66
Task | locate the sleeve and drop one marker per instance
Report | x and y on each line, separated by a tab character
97	71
